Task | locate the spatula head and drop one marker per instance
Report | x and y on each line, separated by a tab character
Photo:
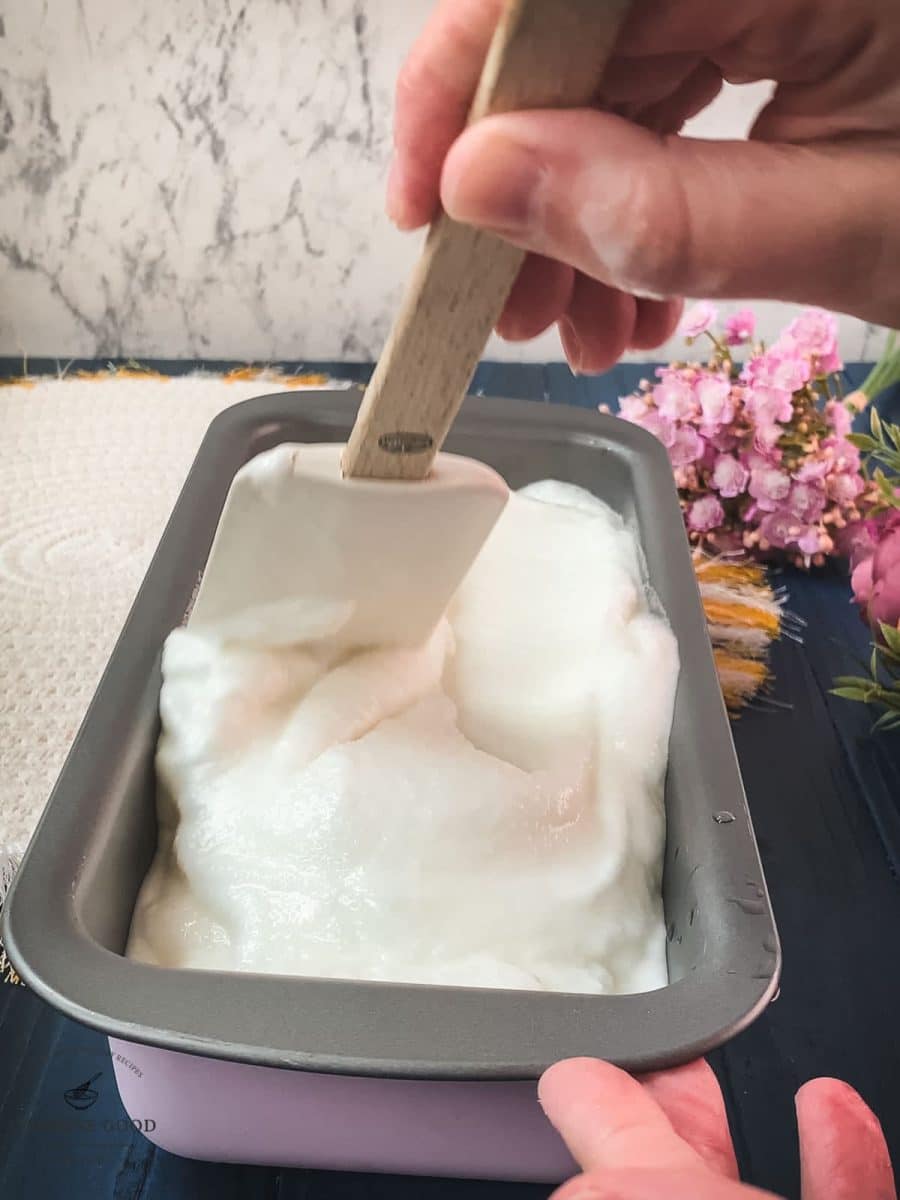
302	554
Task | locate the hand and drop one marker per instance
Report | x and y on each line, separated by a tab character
666	1137
618	210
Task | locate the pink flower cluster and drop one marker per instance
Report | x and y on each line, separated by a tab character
759	449
875	559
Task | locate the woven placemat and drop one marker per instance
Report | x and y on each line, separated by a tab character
90	467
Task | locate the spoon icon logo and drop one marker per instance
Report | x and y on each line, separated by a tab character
83	1095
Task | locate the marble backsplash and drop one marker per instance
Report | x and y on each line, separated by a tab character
206	179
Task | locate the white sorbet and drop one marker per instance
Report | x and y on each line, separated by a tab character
483	810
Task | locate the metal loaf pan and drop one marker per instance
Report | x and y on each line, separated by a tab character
67	916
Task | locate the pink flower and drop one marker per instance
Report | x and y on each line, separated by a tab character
814	334
807	501
740	327
634	407
729	476
782	367
716	406
686	447
876	577
705	514
843	487
740	438
638	411
844	455
813	469
768	487
789	373
674	397
707	460
779	528
661	428
809	540
724	440
698	319
843	483
838	417
856	540
753	459
766	438
686	479
862	583
782	530
766	404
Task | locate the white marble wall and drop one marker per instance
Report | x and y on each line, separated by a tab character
205	178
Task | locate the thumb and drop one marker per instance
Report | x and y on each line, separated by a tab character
843	1154
660	216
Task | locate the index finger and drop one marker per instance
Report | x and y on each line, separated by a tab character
691	1098
434	91
609	1121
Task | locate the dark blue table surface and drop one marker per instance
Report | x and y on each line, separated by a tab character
825	799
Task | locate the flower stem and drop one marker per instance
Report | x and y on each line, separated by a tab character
886	371
721	348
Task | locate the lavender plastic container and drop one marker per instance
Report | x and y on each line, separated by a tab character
377	1076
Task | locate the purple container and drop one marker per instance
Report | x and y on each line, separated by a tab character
379	1076
233	1112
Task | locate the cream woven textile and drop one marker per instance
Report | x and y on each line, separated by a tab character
89	471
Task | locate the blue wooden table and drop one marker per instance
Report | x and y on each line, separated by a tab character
825	799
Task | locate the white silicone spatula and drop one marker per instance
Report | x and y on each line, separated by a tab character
368	546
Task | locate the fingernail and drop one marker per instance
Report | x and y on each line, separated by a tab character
571	344
393	199
397	199
491	181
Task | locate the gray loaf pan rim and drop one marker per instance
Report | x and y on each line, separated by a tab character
66	918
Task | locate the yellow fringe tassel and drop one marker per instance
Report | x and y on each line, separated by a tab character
744	615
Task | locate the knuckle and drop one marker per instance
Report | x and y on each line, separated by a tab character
636	225
411	78
656	250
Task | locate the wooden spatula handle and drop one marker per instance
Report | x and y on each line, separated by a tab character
545	54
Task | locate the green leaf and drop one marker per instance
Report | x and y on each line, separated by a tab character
893	432
887	720
862	441
875	420
853	681
889	657
891	636
852	693
873	662
890	458
884	485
